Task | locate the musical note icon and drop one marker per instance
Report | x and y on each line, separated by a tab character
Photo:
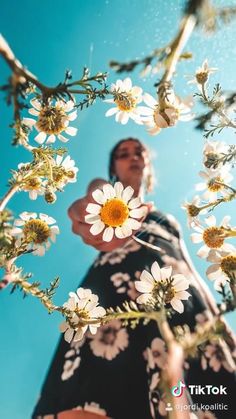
177	391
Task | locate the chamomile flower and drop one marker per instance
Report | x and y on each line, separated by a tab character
64	171
155	118
36	231
84	304
212	236
31	183
214	182
161	287
193	209
52	120
126	98
115	212
223	268
202	74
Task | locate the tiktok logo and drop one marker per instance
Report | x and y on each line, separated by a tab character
177	391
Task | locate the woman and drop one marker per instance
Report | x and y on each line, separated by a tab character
115	373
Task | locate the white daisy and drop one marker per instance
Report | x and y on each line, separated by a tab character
126	98
213	236
193	210
202	74
223	267
160	286
32	184
156	119
110	340
64	171
115	212
84	304
213	150
212	183
52	121
36	231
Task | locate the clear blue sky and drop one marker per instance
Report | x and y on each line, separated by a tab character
49	37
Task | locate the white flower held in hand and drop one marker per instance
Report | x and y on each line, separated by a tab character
35	231
160	287
126	98
84	304
53	119
115	212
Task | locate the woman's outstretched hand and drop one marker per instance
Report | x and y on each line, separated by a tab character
77	212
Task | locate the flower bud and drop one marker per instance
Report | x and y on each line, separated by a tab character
50	196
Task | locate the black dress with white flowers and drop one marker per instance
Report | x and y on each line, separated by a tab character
116	372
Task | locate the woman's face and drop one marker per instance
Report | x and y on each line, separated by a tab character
131	163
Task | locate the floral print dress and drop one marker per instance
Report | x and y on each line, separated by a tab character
116	373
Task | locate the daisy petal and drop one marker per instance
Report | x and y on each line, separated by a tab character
177	305
127	193
133	224
97	228
41	137
109	191
93	209
71	131
108	234
111	112
98	196
118	189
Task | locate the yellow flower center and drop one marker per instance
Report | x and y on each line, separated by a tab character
82	313
33	183
52	120
169	294
126	102
163	291
228	264
36	231
114	212
214	237
202	77
58	175
213	184
192	210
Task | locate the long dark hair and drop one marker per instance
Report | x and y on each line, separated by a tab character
149	178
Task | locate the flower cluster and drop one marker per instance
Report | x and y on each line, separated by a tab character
216	187
155	115
47	177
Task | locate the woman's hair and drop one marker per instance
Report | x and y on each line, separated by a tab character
149	178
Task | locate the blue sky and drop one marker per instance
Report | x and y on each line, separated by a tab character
50	37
